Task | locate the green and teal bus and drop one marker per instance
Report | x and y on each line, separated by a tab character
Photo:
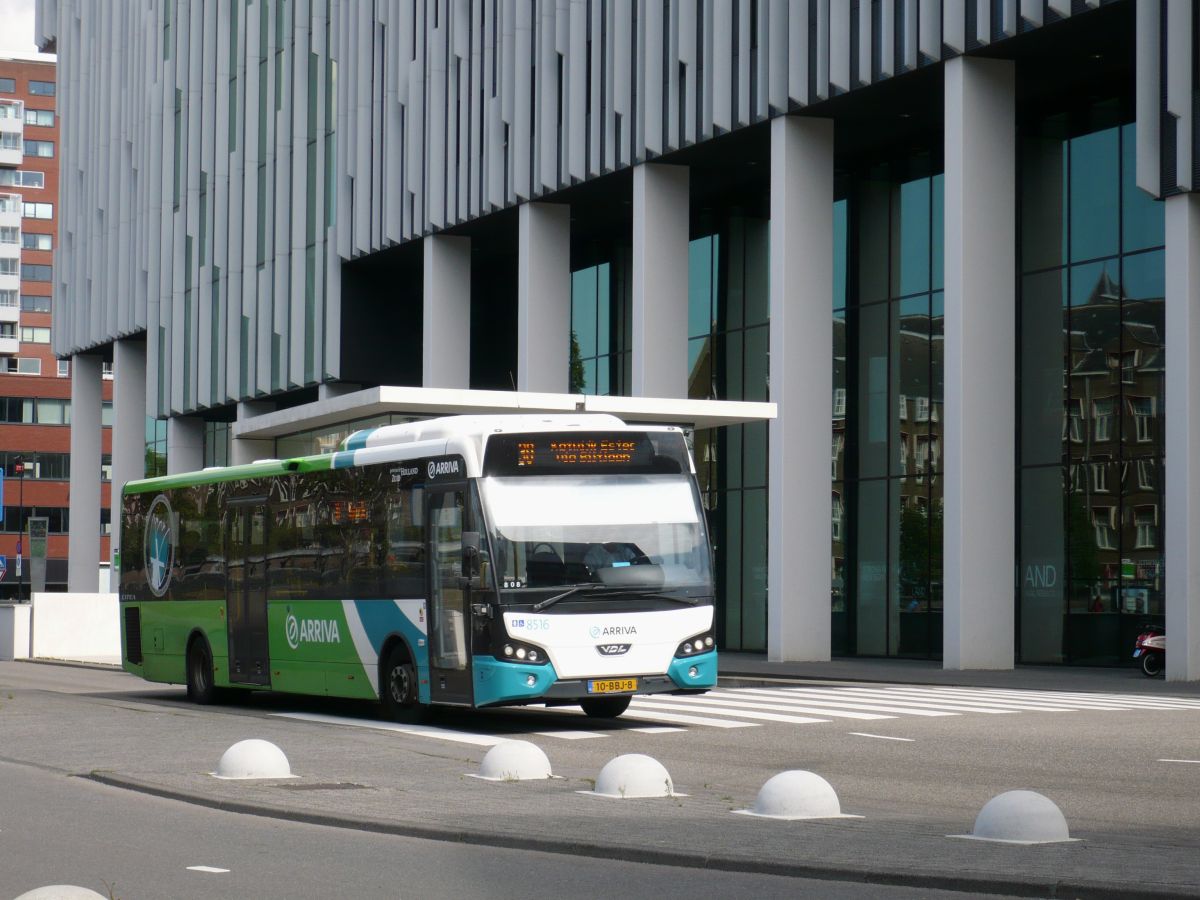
464	561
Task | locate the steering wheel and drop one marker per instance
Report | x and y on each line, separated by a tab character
545	544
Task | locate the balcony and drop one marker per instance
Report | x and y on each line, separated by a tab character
12	132
10	210
10	306
9	346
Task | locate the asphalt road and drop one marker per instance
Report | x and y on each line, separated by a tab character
915	777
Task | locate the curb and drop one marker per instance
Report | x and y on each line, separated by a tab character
918	878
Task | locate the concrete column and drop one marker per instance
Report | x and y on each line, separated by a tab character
83	542
799	496
128	433
446	349
544	297
185	444
980	352
247	450
660	280
1182	520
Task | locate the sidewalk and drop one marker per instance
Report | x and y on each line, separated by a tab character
1124	680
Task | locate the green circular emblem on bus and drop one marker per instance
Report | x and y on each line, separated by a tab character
158	546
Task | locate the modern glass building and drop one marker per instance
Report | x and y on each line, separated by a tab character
922	279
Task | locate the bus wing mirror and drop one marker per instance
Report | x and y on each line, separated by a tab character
470	545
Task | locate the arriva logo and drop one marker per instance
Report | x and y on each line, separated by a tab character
310	631
612	630
445	467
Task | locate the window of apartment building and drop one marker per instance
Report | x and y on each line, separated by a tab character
10	266
64	368
8	86
10	110
37	272
21	178
20	365
8	330
57	516
10	141
39	148
34	303
42	88
35	334
9	234
8	299
31	241
37	210
43	117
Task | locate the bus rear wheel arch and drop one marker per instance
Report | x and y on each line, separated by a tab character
201	685
399	688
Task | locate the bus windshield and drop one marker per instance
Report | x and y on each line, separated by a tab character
624	531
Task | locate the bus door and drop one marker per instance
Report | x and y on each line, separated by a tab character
249	661
449	605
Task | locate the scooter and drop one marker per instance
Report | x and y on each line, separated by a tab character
1151	649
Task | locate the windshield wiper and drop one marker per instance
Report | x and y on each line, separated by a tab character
573	589
598	587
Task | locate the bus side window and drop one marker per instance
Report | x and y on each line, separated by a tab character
404	554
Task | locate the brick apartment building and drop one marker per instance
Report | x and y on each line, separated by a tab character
35	388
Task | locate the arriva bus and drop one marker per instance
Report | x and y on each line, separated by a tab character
467	561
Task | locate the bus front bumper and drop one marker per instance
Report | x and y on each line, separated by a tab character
499	682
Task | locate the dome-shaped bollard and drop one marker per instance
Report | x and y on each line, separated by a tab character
515	761
61	892
1020	817
633	776
253	758
796	794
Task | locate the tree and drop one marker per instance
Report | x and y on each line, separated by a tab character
577	383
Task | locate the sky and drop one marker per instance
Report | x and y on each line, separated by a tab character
16	30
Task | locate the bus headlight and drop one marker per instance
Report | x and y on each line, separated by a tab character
694	646
520	652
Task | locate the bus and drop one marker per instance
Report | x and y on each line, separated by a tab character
469	561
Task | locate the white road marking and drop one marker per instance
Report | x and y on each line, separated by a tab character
880	737
570	735
722	710
922	695
831	699
209	870
1192	761
446	734
730	698
683	720
655	729
890	697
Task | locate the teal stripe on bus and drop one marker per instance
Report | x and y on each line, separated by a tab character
343	459
358	440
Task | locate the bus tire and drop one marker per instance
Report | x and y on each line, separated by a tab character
201	688
605	707
398	688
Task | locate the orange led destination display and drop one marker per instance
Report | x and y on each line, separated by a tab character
580	451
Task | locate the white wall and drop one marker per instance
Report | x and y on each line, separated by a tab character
77	627
14	631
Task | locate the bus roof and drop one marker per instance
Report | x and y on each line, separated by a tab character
430	437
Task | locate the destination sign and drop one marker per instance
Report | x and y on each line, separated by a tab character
592	452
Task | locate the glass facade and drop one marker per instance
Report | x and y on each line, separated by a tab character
728	338
1091	392
886	441
600	327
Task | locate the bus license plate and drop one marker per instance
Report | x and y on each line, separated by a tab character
612	686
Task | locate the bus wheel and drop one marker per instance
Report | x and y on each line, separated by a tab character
605	707
398	687
200	686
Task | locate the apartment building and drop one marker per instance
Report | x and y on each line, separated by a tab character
35	387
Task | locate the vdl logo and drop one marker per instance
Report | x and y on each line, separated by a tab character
310	631
158	545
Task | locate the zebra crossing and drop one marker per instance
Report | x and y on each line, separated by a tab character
753	707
